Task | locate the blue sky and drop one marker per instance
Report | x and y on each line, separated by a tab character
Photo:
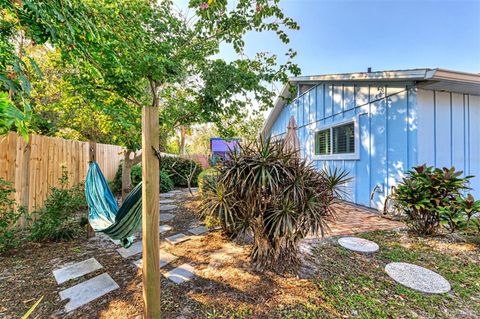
347	36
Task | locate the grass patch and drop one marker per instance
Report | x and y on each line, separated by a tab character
356	285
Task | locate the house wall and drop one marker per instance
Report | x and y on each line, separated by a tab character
386	114
449	132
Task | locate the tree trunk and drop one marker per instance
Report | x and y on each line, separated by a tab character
183	137
126	174
127	165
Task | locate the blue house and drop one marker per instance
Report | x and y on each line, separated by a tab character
377	125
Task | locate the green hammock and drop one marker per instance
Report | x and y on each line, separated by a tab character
104	214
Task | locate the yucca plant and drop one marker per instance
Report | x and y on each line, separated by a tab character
270	193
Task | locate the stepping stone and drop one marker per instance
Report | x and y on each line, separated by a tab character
417	278
198	230
166	195
167	207
76	270
165	259
177	239
117	242
136	248
166	217
87	291
177	191
181	274
166	201
358	244
165	228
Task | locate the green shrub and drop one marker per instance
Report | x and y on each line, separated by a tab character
136	174
179	169
116	184
57	219
429	196
169	178
166	183
268	192
207	176
9	215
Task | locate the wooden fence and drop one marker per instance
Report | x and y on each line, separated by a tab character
36	166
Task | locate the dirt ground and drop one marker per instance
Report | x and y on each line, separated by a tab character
225	285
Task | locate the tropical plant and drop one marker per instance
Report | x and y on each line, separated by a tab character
428	195
338	180
459	214
269	193
208	176
9	215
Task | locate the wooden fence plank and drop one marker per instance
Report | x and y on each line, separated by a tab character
35	166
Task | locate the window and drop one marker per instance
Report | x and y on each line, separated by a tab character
322	144
337	142
344	139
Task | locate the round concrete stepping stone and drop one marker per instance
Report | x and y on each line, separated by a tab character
166	201
417	278
358	244
167	207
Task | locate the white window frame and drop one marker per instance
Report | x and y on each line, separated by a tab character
346	156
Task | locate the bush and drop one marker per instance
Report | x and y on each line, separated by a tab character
207	176
57	220
116	184
166	183
269	193
174	171
9	215
179	169
429	196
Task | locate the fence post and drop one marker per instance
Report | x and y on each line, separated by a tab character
92	157
25	180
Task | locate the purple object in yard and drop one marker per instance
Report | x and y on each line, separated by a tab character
221	146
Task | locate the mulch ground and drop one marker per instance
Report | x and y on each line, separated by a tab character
227	287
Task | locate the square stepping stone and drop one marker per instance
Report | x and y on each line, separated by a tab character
198	230
166	201
87	291
167	195
165	228
167	207
76	270
165	259
177	239
136	248
166	217
117	242
181	274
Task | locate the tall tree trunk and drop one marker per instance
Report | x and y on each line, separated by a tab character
183	137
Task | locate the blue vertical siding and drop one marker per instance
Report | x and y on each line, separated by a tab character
400	126
387	130
449	132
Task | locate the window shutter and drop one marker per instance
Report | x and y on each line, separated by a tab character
344	139
322	142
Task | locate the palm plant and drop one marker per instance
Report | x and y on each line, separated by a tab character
268	192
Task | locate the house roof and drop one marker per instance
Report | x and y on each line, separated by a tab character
430	79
